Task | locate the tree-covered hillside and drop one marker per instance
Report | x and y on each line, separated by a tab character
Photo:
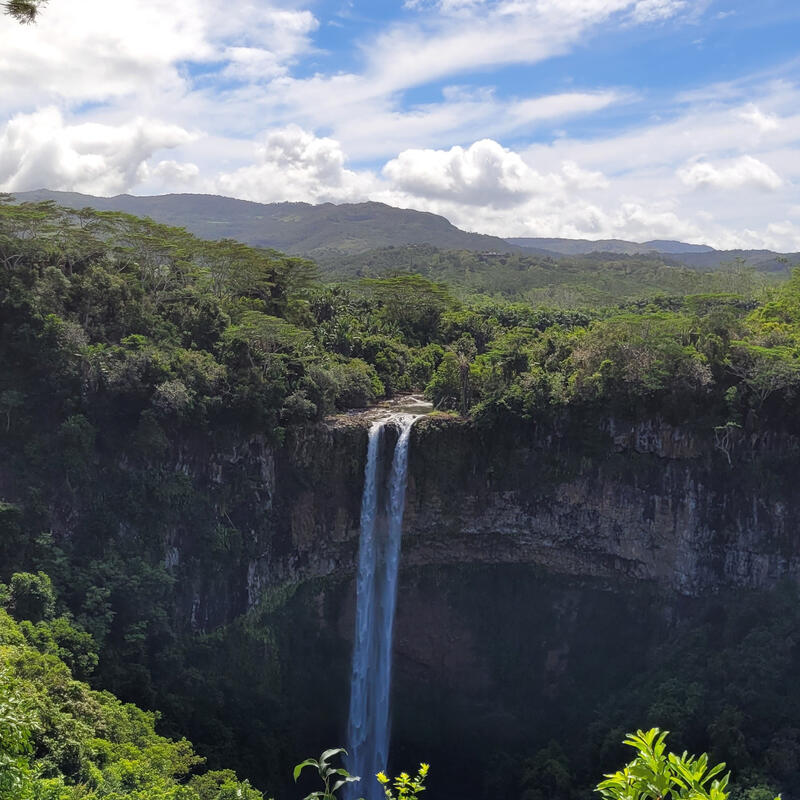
132	324
128	348
592	280
299	228
62	740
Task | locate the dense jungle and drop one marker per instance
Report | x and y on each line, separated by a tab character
181	459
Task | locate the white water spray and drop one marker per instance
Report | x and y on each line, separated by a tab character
376	595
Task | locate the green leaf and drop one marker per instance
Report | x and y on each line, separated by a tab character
309	762
345	774
330	753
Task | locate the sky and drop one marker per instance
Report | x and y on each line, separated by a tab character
632	119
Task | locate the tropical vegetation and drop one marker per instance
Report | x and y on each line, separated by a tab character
124	343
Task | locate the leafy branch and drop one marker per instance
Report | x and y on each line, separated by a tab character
657	775
407	788
24	11
333	778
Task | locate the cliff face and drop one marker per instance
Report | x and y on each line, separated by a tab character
542	568
542	565
644	502
648	502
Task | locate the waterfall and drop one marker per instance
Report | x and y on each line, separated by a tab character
359	733
376	594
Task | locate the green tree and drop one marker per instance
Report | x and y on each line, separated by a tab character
656	774
24	11
31	596
358	384
444	388
765	370
15	743
465	351
410	304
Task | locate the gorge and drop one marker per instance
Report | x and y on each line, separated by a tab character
543	567
539	565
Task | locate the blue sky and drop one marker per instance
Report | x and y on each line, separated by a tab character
634	119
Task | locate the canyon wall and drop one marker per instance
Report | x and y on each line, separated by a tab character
606	499
544	564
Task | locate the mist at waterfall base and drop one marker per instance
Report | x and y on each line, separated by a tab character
382	506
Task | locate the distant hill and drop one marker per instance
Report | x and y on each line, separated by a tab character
298	228
326	232
761	260
671	246
591	280
696	256
575	247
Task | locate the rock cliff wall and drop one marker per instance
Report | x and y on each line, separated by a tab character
612	500
543	565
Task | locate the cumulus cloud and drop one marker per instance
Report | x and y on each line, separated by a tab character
293	164
41	150
485	173
92	50
493	189
176	173
741	172
577	178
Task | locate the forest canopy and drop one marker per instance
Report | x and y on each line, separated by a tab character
59	739
125	343
140	320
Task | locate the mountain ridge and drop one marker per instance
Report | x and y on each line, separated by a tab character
621	246
296	228
328	230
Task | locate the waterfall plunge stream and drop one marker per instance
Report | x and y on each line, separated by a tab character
376	594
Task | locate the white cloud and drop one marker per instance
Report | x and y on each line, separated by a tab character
462	116
484	174
282	36
446	6
41	150
494	34
577	178
93	50
654	10
294	164
176	173
440	42
745	171
764	122
252	63
558	106
783	235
